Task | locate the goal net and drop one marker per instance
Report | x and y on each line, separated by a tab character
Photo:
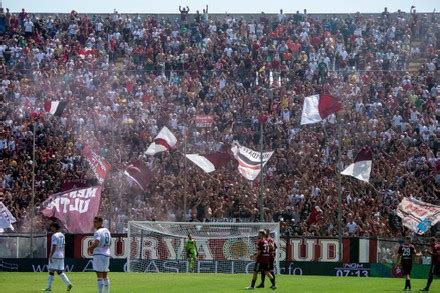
222	247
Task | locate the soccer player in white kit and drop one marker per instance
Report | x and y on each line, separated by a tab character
56	257
100	249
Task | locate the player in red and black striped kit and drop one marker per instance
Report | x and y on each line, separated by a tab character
435	262
262	261
272	250
406	253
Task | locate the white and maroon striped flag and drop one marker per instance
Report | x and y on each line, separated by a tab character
249	161
99	166
210	162
164	141
55	107
140	173
318	107
361	168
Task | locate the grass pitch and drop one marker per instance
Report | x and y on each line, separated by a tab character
201	283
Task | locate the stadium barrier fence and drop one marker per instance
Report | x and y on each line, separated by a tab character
337	269
17	245
362	257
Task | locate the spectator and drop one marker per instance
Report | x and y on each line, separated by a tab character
125	77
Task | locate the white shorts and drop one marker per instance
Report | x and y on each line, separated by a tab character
57	264
101	263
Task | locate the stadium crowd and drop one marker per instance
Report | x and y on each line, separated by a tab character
125	76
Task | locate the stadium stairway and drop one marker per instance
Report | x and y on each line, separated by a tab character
415	62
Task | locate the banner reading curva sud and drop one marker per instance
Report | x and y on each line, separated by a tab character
293	249
74	208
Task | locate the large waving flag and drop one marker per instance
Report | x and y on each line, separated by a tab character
210	162
140	173
55	107
6	218
249	161
164	141
418	216
361	168
75	208
318	107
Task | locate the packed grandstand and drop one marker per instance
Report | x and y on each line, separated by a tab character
210	79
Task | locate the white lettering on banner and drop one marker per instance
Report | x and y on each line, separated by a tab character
200	264
91	192
152	264
79	205
88	267
149	248
44	268
281	250
328	245
86	242
173	268
203	249
295	271
172	251
296	249
65	202
39	269
249	267
79	201
81	193
323	250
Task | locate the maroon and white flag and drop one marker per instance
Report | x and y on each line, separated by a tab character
55	107
164	141
318	107
210	162
75	208
99	166
140	173
361	168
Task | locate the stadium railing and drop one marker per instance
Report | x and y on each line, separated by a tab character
17	245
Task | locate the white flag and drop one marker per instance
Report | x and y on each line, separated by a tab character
249	161
418	216
164	141
6	218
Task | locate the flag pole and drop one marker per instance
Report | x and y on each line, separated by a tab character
185	181
110	195
33	192
261	199
339	177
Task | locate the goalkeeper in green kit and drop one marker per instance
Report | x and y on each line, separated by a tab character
191	252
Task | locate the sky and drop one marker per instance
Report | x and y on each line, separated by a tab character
219	6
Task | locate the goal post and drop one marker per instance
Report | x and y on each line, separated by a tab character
222	247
